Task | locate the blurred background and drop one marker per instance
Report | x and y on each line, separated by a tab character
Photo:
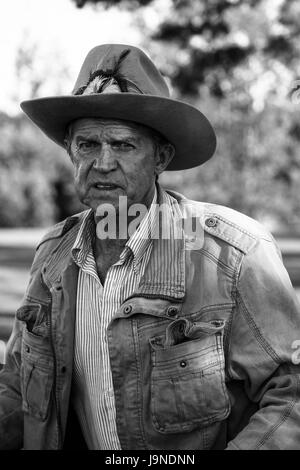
236	60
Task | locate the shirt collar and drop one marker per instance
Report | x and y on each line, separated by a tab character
141	237
135	246
84	240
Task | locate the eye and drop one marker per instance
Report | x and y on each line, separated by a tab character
122	145
87	145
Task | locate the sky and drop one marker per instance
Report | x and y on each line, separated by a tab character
62	34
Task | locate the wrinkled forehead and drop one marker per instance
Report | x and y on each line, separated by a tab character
87	125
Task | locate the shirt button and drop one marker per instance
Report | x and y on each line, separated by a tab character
183	364
211	222
27	349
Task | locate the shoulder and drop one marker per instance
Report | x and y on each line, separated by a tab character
64	232
62	228
227	224
236	228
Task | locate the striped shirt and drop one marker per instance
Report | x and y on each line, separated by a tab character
93	396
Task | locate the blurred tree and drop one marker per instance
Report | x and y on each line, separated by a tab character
34	70
237	61
35	174
131	4
207	40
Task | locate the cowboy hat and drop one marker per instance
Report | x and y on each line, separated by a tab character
120	82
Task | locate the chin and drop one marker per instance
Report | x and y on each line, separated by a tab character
96	202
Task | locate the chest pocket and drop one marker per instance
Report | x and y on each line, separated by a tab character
188	378
37	375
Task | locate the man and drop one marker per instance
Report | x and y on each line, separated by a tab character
144	332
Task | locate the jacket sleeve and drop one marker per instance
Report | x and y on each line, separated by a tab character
265	334
11	414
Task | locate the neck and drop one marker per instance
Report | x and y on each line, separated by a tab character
106	253
109	245
112	229
107	250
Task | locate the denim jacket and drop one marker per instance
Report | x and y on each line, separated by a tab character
203	361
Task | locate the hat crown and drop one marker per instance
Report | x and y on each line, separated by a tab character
128	65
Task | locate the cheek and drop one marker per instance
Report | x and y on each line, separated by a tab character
77	175
145	166
140	173
80	171
79	165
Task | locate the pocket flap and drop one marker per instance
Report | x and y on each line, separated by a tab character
34	315
182	329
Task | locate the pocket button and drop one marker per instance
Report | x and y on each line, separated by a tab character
172	312
211	222
127	310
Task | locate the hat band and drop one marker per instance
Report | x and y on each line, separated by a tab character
109	81
103	84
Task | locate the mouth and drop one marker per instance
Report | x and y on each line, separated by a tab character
105	186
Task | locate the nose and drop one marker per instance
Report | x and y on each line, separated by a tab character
105	161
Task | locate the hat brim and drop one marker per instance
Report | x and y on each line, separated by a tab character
180	123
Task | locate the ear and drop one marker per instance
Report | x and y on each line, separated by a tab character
68	140
164	155
68	149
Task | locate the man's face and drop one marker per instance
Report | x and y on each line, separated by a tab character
113	158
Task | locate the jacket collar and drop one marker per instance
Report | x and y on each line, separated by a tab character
165	273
